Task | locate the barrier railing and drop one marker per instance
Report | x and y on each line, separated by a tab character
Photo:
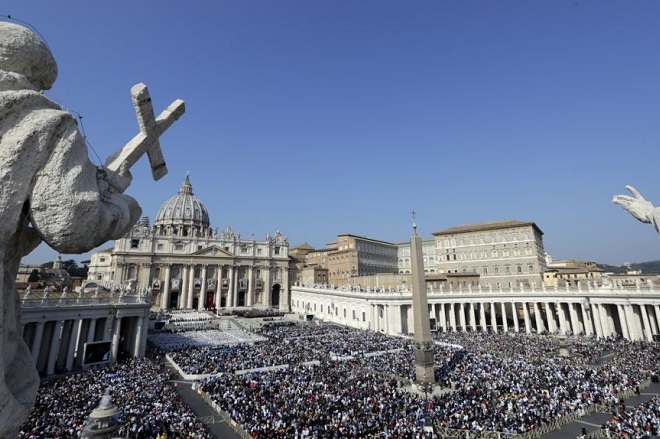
224	415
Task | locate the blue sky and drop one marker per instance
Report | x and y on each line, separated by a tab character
317	118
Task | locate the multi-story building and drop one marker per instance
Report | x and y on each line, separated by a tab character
428	253
506	254
571	272
353	255
188	264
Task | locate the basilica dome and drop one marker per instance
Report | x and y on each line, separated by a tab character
183	212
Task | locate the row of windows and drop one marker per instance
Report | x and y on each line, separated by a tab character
483	239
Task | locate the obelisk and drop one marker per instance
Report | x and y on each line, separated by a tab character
424	374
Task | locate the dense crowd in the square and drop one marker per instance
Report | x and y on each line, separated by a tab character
343	382
505	382
149	406
640	422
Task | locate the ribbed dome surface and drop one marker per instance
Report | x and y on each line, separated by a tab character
183	208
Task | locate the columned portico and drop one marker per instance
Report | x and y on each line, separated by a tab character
190	291
165	298
201	304
605	312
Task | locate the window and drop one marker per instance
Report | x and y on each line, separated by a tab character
519	269
102	259
530	269
159	247
135	243
485	270
178	247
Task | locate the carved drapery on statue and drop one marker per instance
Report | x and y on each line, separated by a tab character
49	191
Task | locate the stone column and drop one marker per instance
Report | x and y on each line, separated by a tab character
572	314
563	324
539	318
201	305
647	331
551	317
36	342
183	287
632	322
588	324
249	300
285	299
528	321
473	317
268	282
452	317
482	315
218	286
165	285
191	286
514	311
116	331
54	348
386	318
73	344
493	317
505	324
396	321
231	290
461	317
604	320
443	317
595	317
623	321
138	349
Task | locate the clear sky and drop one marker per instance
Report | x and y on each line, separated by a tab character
317	118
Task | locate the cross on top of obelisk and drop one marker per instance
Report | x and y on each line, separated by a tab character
414	222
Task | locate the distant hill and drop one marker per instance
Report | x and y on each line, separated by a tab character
650	267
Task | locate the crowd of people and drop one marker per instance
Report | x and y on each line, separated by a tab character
333	381
641	422
150	407
501	382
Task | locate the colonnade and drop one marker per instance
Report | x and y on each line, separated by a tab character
631	320
633	314
57	337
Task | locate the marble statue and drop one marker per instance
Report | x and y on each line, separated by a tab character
638	207
51	192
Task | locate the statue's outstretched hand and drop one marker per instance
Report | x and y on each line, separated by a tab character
636	205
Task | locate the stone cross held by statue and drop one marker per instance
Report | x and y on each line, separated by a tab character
150	131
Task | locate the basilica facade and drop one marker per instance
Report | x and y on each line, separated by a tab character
187	264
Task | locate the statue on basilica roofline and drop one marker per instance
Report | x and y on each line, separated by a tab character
51	192
638	207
